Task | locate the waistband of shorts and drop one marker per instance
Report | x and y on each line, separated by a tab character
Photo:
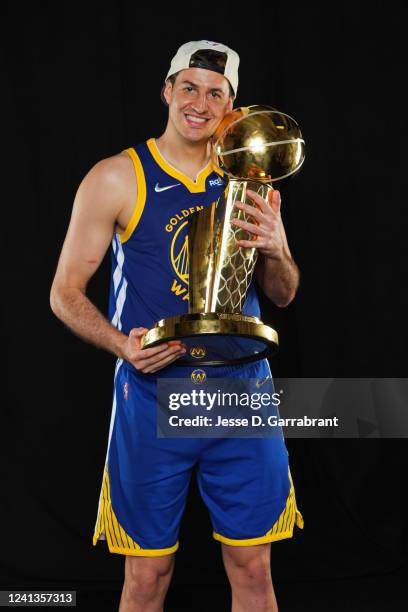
250	370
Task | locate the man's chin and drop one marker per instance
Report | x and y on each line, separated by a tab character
197	137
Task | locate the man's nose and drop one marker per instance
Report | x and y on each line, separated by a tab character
200	104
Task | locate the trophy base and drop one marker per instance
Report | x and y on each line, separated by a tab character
215	339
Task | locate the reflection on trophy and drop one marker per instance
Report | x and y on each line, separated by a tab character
254	146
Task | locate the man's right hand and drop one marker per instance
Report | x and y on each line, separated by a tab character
151	359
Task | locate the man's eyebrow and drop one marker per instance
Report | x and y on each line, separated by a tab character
195	85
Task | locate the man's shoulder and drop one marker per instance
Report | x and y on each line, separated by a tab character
115	171
112	165
109	185
118	166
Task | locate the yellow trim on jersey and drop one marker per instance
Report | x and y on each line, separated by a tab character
283	527
108	528
194	187
141	195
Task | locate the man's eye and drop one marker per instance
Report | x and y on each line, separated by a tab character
216	94
189	88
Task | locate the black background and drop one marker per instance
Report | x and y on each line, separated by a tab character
82	82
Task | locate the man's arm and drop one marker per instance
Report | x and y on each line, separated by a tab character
99	203
276	272
278	278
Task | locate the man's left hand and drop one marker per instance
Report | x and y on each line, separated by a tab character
269	235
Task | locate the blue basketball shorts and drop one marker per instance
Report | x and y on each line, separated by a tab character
245	483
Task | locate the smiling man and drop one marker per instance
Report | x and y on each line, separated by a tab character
138	201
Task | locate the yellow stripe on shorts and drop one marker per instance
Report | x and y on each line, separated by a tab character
108	528
282	528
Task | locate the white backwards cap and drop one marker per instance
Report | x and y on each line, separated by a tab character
224	60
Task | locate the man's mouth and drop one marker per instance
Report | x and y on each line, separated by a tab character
195	121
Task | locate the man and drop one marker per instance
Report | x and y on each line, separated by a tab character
138	200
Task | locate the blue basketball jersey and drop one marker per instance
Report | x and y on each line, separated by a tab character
149	279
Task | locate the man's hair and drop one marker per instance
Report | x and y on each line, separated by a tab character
172	80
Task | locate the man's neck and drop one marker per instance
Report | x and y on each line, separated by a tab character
189	157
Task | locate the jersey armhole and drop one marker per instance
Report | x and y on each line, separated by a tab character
141	195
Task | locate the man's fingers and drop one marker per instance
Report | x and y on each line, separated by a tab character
155	350
150	352
274	199
136	334
163	362
255	197
156	358
137	331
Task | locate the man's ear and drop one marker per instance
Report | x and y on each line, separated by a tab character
230	104
167	91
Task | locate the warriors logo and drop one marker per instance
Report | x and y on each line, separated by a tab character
198	376
179	247
179	253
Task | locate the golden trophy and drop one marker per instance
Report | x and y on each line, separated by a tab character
254	146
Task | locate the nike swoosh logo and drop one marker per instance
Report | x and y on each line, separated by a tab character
158	189
261	381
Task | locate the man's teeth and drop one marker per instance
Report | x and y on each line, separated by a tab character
196	119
